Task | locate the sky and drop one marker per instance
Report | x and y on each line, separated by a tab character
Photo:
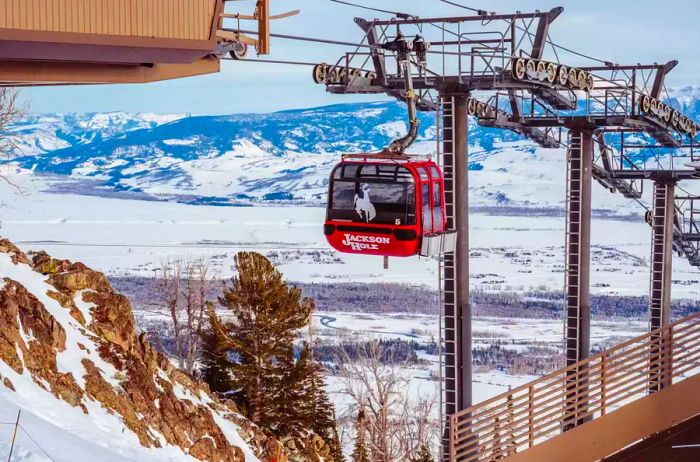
623	31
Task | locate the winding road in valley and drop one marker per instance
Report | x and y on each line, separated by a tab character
328	321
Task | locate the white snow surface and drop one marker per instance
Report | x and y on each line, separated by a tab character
122	237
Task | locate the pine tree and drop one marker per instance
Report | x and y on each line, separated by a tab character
336	447
423	455
360	453
294	399
215	365
303	379
258	334
315	410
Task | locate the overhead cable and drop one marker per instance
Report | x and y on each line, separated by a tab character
398	14
561	47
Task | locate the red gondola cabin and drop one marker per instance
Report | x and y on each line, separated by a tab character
385	207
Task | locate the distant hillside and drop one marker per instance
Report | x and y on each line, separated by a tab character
283	156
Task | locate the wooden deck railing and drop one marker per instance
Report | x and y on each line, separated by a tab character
530	414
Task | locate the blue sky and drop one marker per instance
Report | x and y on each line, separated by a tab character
625	31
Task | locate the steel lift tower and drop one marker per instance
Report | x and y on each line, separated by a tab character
477	59
491	66
475	69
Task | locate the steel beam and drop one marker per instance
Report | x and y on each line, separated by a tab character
661	77
457	19
543	32
464	317
652	174
630	67
662	221
577	264
455	267
578	245
378	58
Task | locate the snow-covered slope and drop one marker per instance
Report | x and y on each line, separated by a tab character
89	387
283	156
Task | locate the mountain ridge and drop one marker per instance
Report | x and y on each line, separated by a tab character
243	159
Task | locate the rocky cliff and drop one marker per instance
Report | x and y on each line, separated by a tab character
69	347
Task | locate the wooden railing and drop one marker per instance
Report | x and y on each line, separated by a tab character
530	414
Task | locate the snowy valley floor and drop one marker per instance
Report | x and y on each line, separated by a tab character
128	237
510	253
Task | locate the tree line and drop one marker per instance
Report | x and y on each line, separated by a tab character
405	298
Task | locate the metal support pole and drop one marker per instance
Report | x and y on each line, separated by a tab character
662	219
457	310
578	262
378	58
578	246
464	315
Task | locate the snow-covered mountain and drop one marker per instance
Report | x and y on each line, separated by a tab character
283	156
41	133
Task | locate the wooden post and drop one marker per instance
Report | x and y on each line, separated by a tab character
603	378
510	438
14	436
452	436
531	403
668	360
262	11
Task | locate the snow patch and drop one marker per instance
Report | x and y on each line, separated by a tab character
70	360
181	142
84	307
392	129
230	431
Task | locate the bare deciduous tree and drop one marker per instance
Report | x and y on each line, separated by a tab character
183	289
397	423
10	111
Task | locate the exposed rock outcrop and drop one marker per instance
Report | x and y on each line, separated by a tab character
62	323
